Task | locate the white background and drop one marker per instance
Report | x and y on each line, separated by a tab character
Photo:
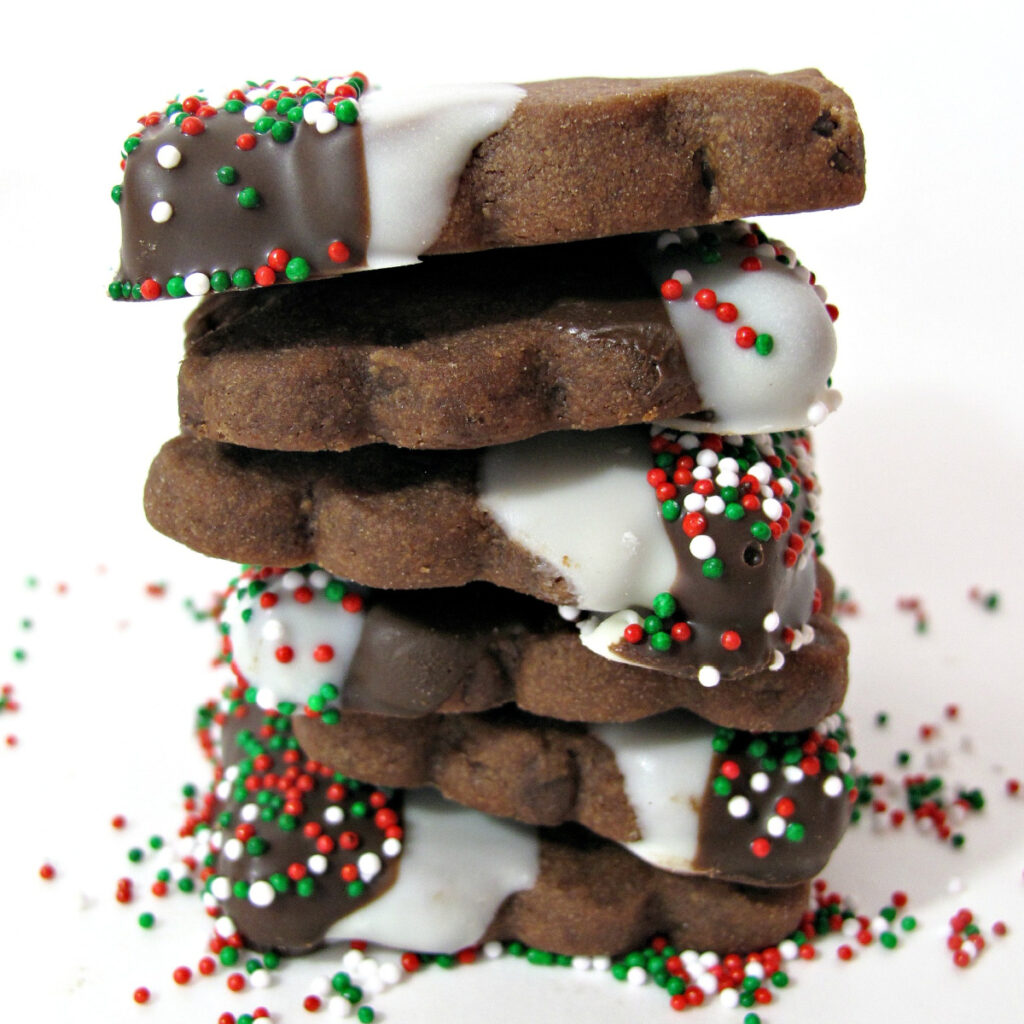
923	487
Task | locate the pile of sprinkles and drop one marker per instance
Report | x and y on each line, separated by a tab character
268	113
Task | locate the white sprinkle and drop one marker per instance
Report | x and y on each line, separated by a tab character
693	502
759	782
771	621
689	441
368	967
739	806
729	998
793	773
168	157
715	505
817	412
391	847
233	848
265	696
209	901
833	786
702	546
261	894
197	284
602	963
709	676
636	976
772	508
788	949
955	884
224	927
272	629
249	812
319	578
709	959
667	238
493	949
317	863
334	815
850	927
312	110
754	970
350	961
706	457
776	826
261	978
701	473
761	472
390	974
581	963
778	660
684	277
220	888
339	1006
321	986
161	212
369	865
569	612
325	122
253	113
707	983
292	579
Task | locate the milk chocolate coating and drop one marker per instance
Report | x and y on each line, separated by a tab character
543	772
454	353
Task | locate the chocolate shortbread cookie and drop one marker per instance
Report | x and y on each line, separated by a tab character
310	640
722	554
278	186
677	792
340	859
494	347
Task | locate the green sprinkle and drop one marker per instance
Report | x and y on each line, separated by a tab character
712	568
228	956
346	112
664	605
721	786
115	193
540	957
305	886
296	269
652	624
176	287
761	531
271	960
135	855
186	885
882	719
888	939
780	979
282	131
735	511
670	510
661	641
365	1014
130	145
262	125
146	920
234	106
763	344
355	889
220	281
248	199
335	590
227	175
909	923
795	832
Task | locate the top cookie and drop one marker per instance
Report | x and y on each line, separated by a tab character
230	197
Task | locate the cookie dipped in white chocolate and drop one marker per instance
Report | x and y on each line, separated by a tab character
755	328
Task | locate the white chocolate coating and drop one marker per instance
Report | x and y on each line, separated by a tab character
578	501
416	146
304	627
457	868
750	393
664	762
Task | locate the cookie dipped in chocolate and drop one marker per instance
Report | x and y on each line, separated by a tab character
304	638
761	809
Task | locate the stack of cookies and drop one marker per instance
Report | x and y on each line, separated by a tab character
533	640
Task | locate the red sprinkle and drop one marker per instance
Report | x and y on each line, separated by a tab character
671	289
246	141
311	1003
182	975
337	252
141	994
47	872
706	299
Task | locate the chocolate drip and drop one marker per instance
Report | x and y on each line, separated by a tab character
292	795
793	771
755	578
210	230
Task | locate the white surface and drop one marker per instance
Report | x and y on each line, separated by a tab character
922	490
